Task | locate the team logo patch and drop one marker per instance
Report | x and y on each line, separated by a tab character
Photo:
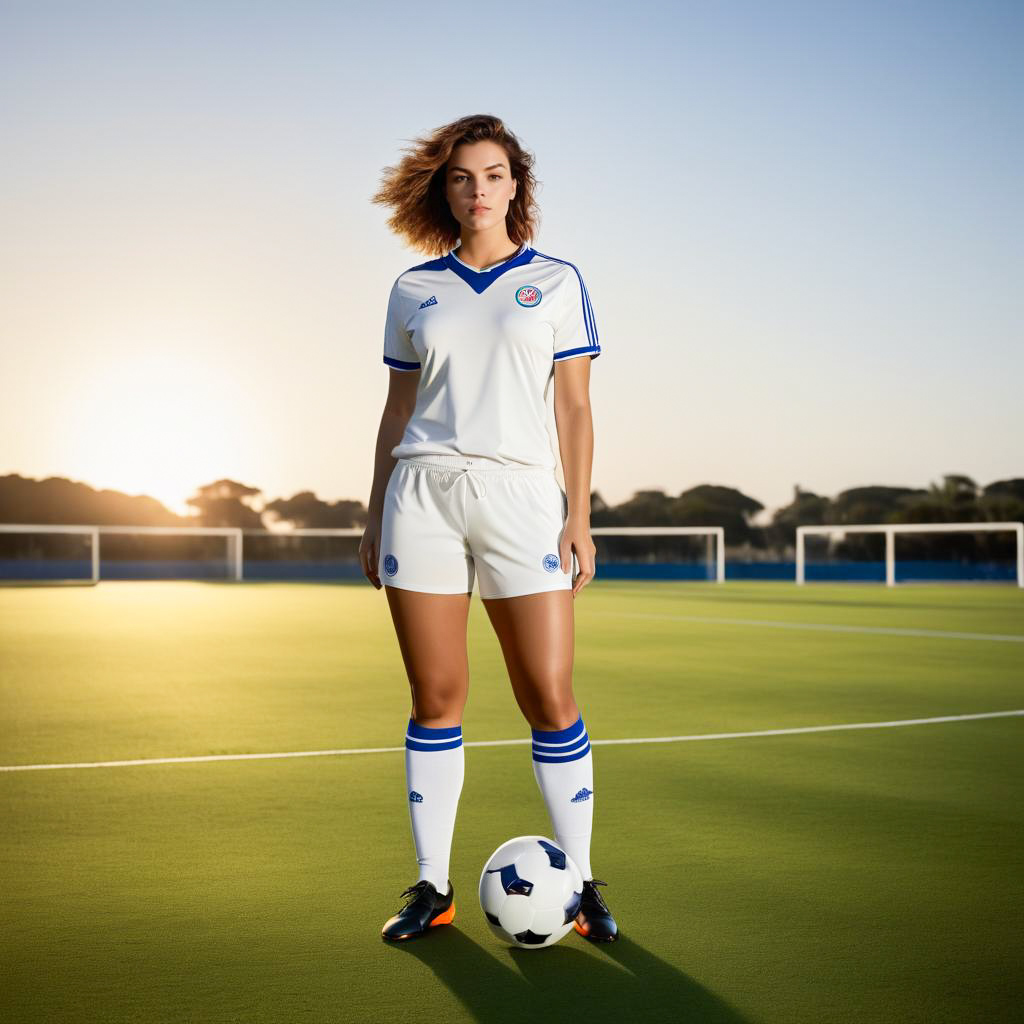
528	295
551	562
390	565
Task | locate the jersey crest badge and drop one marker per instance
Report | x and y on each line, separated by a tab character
528	295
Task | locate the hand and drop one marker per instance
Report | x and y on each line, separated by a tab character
576	537
369	549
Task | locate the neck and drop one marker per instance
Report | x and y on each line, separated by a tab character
477	250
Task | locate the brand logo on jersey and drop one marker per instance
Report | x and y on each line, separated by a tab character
417	799
551	562
583	794
432	301
390	565
528	295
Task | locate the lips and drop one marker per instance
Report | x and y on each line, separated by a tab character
479	209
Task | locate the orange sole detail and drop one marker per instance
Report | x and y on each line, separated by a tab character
576	925
446	918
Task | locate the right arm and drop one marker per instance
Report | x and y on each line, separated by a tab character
398	408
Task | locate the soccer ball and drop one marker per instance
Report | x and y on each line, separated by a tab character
530	891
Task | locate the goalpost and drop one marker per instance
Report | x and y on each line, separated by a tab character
891	529
232	536
715	538
234	539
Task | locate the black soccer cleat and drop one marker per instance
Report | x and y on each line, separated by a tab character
425	909
594	920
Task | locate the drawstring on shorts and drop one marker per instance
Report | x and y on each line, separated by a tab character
475	470
449	478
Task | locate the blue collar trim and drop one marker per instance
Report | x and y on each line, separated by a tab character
478	280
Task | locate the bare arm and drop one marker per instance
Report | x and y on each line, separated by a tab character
398	408
575	426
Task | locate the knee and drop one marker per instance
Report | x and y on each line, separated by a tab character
436	699
552	715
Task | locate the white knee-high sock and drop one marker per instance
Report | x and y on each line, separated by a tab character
564	769
435	766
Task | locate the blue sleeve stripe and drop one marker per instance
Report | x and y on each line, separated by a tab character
550	758
591	322
594	350
401	364
588	312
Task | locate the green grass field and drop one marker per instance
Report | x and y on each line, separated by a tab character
863	875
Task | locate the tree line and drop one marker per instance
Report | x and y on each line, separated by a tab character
956	498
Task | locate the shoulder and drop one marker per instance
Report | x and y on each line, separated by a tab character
409	280
558	265
556	261
428	266
564	275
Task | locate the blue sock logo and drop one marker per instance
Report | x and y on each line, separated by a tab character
583	794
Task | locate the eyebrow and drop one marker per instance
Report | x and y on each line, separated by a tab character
468	171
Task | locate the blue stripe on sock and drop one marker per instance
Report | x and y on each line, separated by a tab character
425	732
446	745
545	737
561	759
563	748
423	737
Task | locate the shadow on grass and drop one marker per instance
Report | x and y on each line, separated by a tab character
622	981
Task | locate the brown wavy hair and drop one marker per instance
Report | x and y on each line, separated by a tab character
415	187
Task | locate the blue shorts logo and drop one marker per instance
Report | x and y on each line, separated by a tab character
415	797
390	565
528	295
552	562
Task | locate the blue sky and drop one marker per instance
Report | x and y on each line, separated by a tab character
800	226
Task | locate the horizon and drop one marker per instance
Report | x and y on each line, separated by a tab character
760	519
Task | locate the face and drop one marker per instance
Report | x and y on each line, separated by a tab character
479	185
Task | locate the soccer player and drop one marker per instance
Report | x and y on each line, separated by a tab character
465	487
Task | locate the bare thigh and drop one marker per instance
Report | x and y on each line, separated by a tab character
431	631
536	633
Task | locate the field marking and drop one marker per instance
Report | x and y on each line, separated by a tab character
502	743
829	627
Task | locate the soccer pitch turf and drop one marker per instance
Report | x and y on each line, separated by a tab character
853	875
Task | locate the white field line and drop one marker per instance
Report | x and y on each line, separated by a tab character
828	627
502	743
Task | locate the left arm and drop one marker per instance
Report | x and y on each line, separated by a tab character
575	427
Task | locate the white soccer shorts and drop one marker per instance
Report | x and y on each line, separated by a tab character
449	518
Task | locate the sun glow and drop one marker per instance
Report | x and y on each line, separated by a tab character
154	422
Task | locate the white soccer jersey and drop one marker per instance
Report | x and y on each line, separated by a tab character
485	343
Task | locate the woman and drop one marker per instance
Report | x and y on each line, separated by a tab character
473	340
